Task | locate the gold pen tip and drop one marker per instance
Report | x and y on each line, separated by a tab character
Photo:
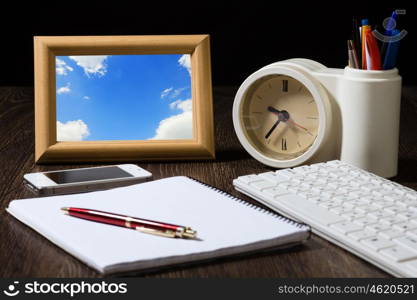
190	233
65	210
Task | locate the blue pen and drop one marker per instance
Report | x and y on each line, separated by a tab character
389	27
391	24
391	52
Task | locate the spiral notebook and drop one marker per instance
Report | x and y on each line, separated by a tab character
226	226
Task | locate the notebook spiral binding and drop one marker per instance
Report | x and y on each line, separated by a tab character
255	207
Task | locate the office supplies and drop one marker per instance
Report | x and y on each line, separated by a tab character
374	59
367	215
353	58
226	225
365	55
356	39
85	179
391	52
142	225
332	108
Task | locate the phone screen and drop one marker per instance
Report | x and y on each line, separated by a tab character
72	176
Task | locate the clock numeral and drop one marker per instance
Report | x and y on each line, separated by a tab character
311	101
312	118
284	144
298	143
268	141
285	85
259	97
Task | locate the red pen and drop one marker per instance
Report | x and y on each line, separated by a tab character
373	50
142	225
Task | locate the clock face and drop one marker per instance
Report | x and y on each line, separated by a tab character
280	117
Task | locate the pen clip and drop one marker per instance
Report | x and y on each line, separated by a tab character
165	233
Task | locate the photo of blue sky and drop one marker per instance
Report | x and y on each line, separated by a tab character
123	97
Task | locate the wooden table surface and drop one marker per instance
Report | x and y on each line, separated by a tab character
24	253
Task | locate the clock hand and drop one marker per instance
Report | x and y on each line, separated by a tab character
283	115
272	129
298	125
273	110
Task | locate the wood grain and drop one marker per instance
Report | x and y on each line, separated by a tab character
24	253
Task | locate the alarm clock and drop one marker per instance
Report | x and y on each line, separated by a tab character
281	115
297	111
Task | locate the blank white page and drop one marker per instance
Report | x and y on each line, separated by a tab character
224	225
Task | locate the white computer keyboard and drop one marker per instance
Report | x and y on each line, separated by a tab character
368	215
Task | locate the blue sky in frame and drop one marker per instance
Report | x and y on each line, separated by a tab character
123	97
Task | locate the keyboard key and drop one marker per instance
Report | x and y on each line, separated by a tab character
392	219
346	227
413	208
306	208
367	208
353	215
412	265
399	254
262	185
378	227
377	243
409	214
391	234
365	221
407	241
340	210
330	204
248	178
395	209
273	177
382	203
407	202
287	173
404	226
412	233
275	192
393	197
379	214
360	235
308	194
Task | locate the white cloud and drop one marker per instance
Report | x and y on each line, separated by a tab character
86	98
92	64
185	61
61	67
64	89
71	131
175	127
178	126
166	92
184	105
177	92
171	93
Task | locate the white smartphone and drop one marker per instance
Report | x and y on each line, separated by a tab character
85	179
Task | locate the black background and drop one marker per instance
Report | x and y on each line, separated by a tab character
245	35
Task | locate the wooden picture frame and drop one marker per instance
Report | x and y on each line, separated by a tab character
48	150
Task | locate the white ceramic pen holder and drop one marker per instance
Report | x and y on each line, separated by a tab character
366	108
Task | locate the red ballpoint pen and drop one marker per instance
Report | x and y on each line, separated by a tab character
142	225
